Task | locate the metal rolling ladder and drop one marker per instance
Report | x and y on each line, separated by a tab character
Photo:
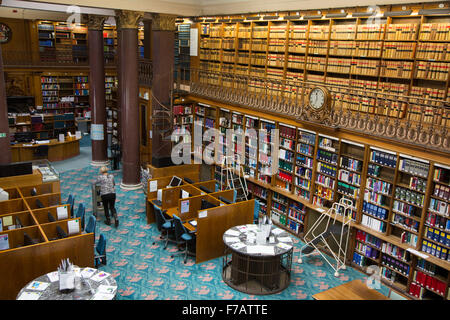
234	181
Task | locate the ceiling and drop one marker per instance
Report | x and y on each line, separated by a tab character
55	9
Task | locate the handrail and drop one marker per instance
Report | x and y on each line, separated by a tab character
417	120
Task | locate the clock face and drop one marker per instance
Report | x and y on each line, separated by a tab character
317	98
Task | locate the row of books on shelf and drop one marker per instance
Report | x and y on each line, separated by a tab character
414	167
405	223
400	267
374	210
422	280
373	223
435	250
410	196
438	236
438	221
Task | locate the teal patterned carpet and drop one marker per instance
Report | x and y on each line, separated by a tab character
147	272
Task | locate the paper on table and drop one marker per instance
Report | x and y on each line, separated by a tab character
73	227
29	296
232	239
102	296
242	228
53	276
267	250
251	227
88	272
100	276
284	246
153	185
284	239
38	285
62	213
184	194
238	245
232	233
106	289
203	214
159	195
277	231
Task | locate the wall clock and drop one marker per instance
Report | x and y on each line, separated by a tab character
5	33
319	98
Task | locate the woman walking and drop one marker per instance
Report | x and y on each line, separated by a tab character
108	194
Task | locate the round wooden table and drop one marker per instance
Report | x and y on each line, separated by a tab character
257	268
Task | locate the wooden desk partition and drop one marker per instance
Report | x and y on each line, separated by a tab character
191	171
227	194
210	184
56	150
211	228
22	263
195	206
25	180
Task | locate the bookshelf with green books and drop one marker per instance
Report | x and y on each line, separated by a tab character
266	153
286	157
327	163
350	173
304	163
251	146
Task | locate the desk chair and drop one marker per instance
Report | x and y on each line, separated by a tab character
182	235
41	152
164	225
90	226
188	180
80	214
71	202
39	204
256	211
50	217
100	254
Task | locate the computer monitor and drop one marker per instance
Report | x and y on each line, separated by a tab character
205	189
206	205
23	136
16	169
175	182
225	200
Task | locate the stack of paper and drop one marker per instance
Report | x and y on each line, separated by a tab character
29	296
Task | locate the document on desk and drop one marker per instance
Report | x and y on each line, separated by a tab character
29	296
38	285
284	239
102	296
106	289
153	185
88	272
184	206
284	246
264	250
53	276
62	213
232	239
73	227
238	245
232	233
100	276
277	231
4	242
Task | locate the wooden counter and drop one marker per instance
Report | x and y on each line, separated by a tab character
57	150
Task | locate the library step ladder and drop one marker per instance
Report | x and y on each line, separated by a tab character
234	181
163	121
323	235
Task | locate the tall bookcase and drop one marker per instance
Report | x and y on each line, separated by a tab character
397	55
401	224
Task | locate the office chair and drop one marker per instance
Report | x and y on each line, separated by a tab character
90	226
27	240
61	233
165	226
100	255
50	217
41	151
80	214
33	192
256	211
71	202
39	204
182	235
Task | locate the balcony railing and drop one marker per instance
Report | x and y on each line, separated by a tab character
415	120
52	58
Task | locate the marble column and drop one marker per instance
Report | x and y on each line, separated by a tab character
97	88
129	96
5	154
163	39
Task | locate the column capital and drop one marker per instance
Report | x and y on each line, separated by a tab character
94	22
163	22
127	19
